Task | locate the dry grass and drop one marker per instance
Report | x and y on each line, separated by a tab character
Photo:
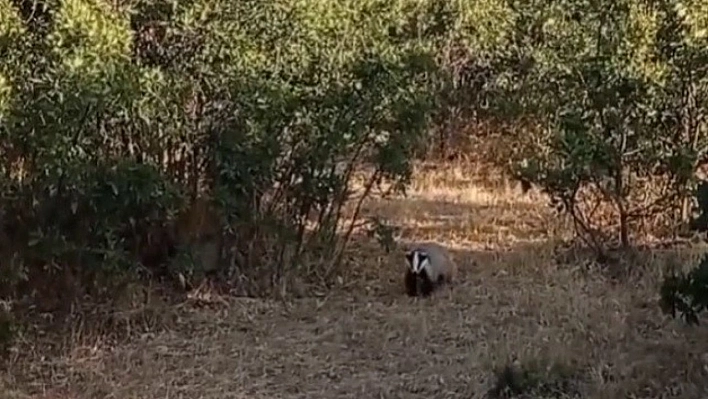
579	332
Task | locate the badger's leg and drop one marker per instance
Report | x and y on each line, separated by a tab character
446	280
450	285
426	288
411	283
426	285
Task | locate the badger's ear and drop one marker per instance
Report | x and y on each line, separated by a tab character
409	257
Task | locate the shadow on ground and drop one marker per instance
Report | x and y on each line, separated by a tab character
368	340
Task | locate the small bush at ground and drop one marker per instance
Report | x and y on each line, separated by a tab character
533	380
686	293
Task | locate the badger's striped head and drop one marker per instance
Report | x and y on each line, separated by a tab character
418	260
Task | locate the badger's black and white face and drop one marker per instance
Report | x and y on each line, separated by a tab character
418	280
418	260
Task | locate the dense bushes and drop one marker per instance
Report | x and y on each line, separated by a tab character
231	132
623	132
117	122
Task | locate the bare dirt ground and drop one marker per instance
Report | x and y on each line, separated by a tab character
574	332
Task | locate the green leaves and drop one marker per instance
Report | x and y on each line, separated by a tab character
11	26
269	108
686	293
601	84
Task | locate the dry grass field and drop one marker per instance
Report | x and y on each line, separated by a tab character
570	331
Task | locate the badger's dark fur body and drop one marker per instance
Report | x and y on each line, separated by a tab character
429	266
420	284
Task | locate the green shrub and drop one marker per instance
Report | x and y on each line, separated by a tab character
622	134
117	120
686	293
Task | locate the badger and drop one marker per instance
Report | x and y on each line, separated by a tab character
429	266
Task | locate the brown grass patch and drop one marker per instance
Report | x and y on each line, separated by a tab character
572	332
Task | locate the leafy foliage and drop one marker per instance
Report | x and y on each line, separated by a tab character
618	133
686	293
700	222
120	121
